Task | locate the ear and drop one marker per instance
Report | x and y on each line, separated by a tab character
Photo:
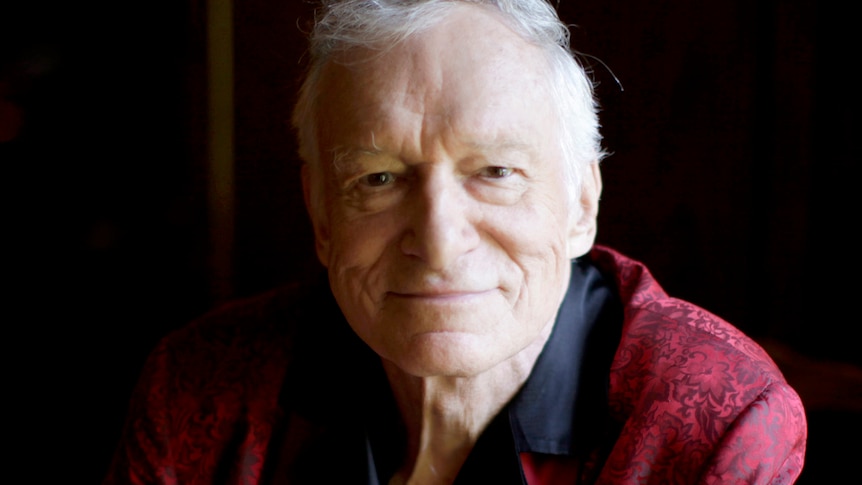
312	192
582	227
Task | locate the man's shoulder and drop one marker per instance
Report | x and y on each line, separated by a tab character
687	383
679	334
671	347
241	340
662	324
217	381
268	315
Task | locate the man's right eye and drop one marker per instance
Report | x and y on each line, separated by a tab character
378	179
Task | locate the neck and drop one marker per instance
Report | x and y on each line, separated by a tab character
445	415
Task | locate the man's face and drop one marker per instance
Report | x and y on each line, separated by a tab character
444	223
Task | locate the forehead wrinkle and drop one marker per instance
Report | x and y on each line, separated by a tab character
474	122
403	94
486	139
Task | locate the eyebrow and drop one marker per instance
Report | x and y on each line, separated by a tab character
341	153
505	146
343	156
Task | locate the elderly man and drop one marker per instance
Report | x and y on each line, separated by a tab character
469	331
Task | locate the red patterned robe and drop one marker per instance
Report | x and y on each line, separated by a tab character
269	390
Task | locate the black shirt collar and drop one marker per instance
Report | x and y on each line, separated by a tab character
562	408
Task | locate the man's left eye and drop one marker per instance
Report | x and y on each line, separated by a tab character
379	179
497	172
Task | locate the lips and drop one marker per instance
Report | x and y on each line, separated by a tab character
440	287
439	294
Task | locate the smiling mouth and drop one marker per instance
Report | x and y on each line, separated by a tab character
449	295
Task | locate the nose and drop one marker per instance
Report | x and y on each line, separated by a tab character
442	220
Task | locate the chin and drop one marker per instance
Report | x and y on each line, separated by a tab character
450	354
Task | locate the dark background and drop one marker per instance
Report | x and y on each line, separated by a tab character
730	177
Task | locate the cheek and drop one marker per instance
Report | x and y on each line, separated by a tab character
360	241
535	231
533	238
360	252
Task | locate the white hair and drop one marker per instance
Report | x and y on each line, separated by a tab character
376	25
